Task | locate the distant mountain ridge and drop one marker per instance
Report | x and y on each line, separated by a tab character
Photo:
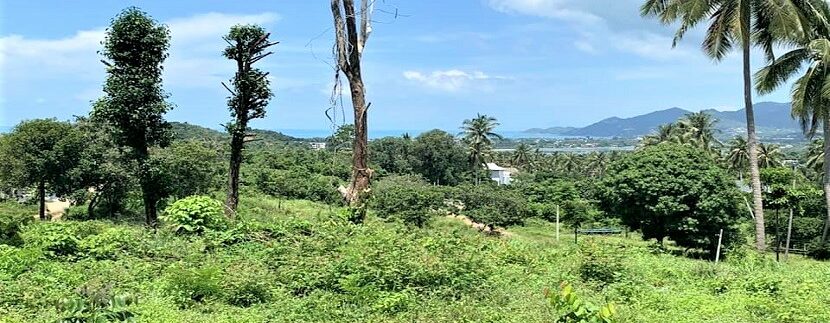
770	117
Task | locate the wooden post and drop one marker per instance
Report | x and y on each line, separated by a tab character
557	223
575	234
789	233
720	239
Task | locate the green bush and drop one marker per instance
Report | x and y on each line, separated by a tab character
11	223
190	285
195	214
413	202
601	264
109	244
55	239
492	205
570	307
818	250
246	284
297	183
96	304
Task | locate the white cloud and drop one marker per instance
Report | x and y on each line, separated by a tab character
450	80
604	25
194	60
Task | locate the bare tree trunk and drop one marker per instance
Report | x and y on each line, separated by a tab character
348	46
148	188
41	192
93	201
237	142
826	179
752	141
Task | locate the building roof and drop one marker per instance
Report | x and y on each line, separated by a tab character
493	166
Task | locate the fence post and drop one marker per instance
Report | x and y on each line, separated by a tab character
720	238
557	223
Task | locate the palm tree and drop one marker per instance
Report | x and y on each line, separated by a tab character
478	135
733	22
769	155
521	156
597	163
811	91
815	157
665	133
737	156
700	129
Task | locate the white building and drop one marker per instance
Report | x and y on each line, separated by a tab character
318	145
500	175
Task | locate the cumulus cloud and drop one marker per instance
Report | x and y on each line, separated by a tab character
603	25
193	62
449	80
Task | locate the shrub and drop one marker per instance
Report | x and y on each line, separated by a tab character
492	205
297	184
194	214
96	304
601	264
571	308
108	244
56	239
11	222
246	285
413	202
193	285
818	250
15	261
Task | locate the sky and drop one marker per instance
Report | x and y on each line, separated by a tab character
427	64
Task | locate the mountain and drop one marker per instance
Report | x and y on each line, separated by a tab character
770	118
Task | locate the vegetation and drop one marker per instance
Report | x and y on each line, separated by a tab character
403	229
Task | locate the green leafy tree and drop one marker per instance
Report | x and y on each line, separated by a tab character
673	191
191	168
103	167
134	102
439	158
247	44
393	154
41	153
734	22
478	134
810	92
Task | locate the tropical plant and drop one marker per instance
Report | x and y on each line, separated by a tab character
664	133
811	91
478	135
815	156
573	309
699	128
769	155
522	155
194	214
737	156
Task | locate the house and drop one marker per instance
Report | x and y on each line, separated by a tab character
318	145
501	175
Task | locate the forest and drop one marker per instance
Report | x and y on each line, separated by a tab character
123	216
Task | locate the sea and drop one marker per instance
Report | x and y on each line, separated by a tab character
375	134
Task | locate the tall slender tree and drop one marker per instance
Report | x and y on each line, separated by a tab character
737	156
250	94
134	102
478	134
742	23
352	29
811	91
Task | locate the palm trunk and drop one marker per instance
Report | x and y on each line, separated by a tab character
826	179
41	192
752	141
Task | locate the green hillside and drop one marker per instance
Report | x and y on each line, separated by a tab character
299	261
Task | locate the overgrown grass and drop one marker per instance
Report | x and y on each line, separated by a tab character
291	261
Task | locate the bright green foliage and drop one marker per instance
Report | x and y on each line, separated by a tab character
191	168
342	138
440	160
103	168
97	306
296	184
194	285
673	191
134	103
194	214
393	154
41	152
413	202
12	220
571	308
602	264
492	205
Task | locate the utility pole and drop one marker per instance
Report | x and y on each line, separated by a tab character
790	220
720	239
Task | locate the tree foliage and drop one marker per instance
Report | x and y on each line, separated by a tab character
673	191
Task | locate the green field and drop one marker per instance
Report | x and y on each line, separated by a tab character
291	261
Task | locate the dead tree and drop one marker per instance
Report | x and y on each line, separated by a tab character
348	49
250	94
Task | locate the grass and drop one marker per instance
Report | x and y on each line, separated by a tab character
301	261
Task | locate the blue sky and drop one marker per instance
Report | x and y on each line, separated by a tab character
529	63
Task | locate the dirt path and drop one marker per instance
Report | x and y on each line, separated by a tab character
481	227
